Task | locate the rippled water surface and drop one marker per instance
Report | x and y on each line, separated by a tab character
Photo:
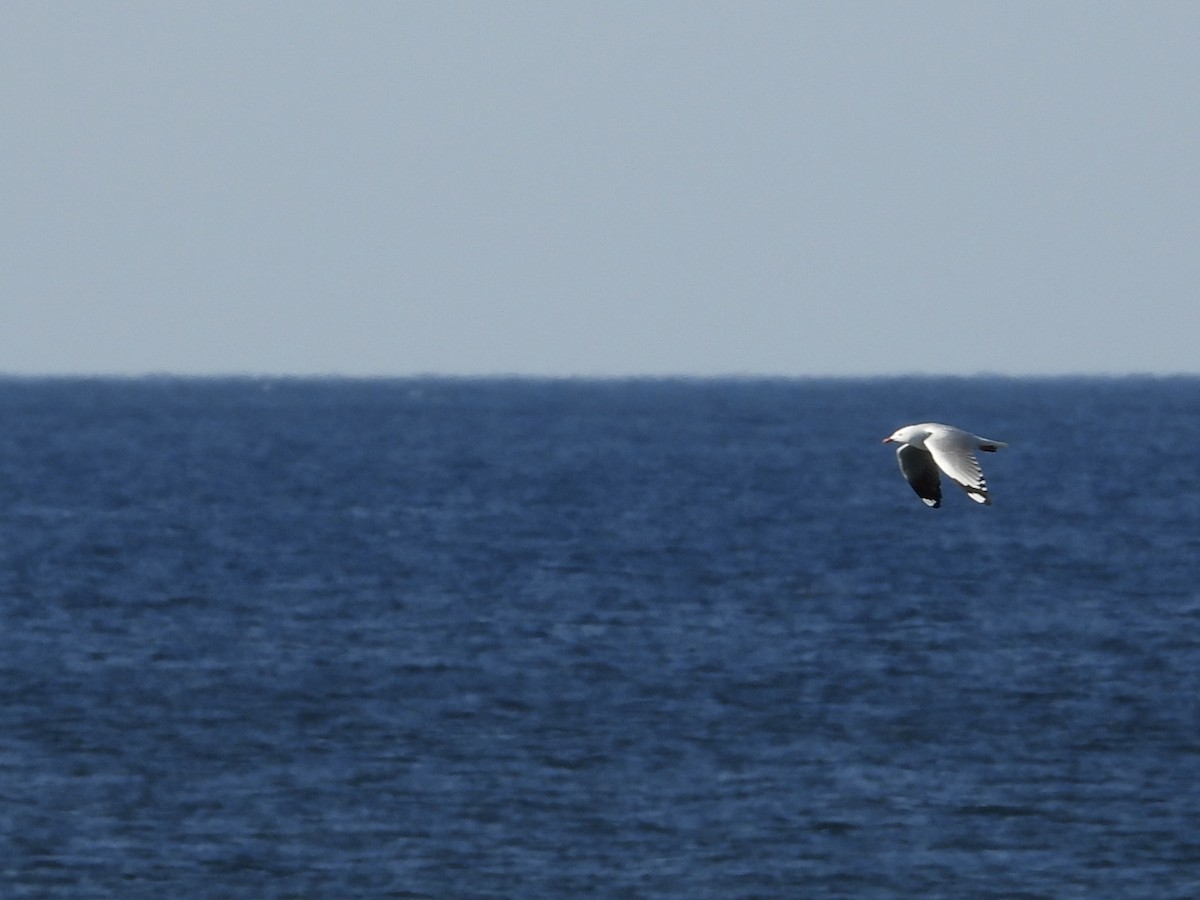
628	639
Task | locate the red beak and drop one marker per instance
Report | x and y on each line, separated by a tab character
887	440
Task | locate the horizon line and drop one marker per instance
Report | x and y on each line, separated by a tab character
167	375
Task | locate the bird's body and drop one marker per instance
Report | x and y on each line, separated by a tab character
931	448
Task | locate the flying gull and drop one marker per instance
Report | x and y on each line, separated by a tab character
928	448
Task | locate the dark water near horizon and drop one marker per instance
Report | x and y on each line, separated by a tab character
551	639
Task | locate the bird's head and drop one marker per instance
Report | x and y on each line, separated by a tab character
909	434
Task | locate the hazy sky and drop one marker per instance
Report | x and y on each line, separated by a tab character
600	188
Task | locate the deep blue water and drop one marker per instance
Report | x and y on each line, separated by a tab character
537	639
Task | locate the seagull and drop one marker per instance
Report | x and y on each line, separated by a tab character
930	447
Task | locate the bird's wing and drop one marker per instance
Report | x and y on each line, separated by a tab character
953	452
921	471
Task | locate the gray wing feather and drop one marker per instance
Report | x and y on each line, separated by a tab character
952	453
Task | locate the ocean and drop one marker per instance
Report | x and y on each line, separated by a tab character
439	638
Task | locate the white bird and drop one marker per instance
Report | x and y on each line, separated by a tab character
929	447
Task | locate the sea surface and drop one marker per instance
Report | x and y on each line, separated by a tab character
557	639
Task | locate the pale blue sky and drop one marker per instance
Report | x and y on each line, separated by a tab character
600	188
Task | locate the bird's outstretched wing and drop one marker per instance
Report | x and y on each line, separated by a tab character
921	472
954	454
